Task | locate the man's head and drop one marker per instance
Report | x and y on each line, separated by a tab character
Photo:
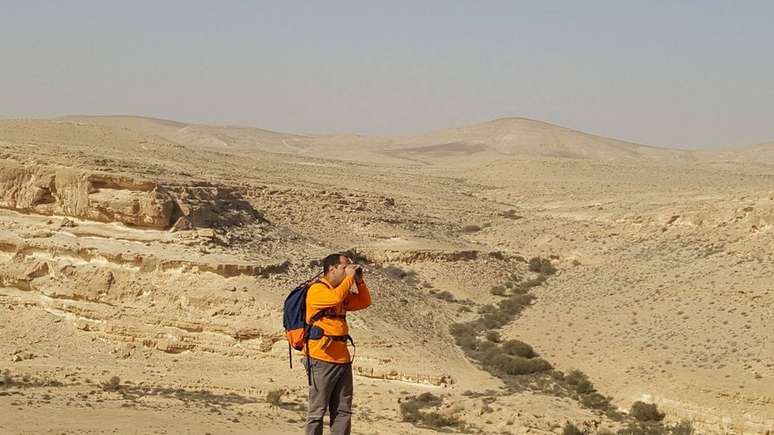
333	268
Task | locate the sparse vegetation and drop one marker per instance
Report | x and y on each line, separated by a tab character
395	272
6	380
575	377
595	400
445	296
518	348
112	385
542	266
497	290
510	214
571	429
413	411
471	229
513	365
274	397
657	428
646	411
493	336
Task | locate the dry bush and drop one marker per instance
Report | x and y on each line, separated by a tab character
465	335
542	266
493	336
646	411
411	410
395	272
6	380
515	303
497	290
595	400
437	420
523	287
513	365
575	376
510	214
445	296
584	387
571	429
274	397
657	428
518	348
494	320
114	384
471	229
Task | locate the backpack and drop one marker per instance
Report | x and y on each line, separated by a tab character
294	316
297	330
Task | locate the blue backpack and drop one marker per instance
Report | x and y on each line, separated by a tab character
294	316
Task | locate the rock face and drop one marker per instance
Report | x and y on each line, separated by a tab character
84	194
103	197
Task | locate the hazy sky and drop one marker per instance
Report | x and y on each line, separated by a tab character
665	73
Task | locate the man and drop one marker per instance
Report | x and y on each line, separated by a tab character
329	358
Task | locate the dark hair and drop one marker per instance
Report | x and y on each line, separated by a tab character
331	261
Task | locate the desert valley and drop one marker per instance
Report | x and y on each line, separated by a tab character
525	278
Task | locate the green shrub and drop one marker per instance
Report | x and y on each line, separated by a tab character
518	348
646	411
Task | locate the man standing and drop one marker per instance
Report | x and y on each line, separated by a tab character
330	363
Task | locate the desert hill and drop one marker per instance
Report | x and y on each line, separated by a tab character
528	138
760	153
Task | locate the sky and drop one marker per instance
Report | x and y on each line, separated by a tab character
682	74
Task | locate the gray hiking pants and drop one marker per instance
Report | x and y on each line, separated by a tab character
331	389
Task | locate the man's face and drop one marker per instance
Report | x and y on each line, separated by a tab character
337	272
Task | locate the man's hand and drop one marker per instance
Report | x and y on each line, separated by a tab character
350	269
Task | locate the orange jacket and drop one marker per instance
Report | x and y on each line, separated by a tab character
322	296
